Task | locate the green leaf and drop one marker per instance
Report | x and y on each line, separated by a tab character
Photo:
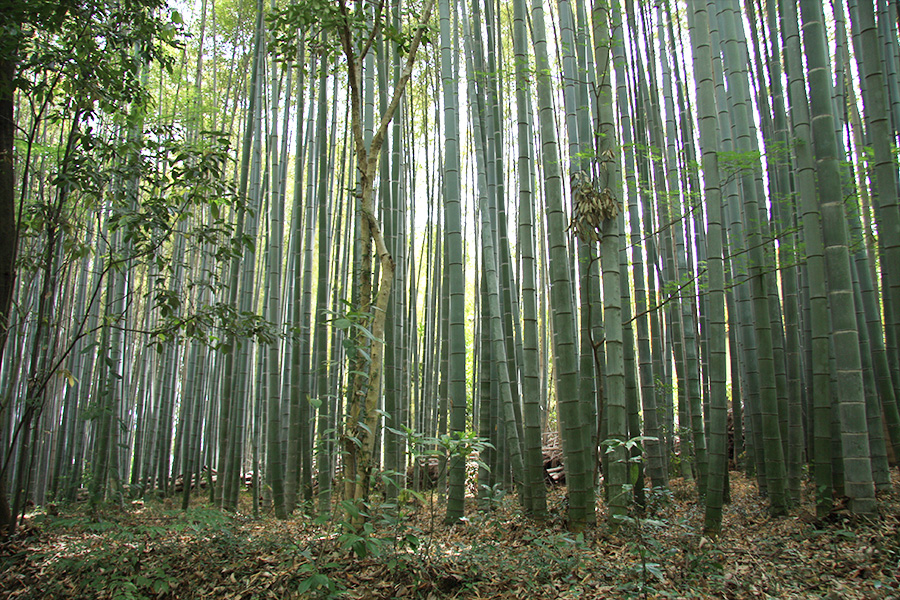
365	331
417	495
391	429
360	548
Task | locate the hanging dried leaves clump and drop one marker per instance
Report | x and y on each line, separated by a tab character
591	206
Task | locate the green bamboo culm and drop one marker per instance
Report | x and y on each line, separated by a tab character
718	413
859	485
565	353
456	373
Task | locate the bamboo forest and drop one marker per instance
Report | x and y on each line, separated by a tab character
449	299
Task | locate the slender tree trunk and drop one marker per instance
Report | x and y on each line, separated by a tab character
534	475
815	263
365	388
869	57
775	474
454	315
718	461
228	467
859	485
8	231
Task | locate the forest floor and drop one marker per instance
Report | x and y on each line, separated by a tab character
153	550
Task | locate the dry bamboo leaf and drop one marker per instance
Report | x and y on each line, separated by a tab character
591	207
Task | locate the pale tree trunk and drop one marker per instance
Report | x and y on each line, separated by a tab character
655	373
486	64
744	336
785	222
365	389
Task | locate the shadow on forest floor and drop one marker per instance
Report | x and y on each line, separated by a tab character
154	551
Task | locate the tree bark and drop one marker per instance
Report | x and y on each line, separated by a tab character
359	436
8	236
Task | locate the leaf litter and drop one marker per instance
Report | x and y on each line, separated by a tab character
151	550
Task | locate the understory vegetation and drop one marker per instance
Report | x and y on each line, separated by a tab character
154	550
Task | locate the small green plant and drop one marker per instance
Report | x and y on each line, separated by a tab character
314	581
394	516
361	541
445	448
648	571
658	499
319	584
702	560
638	528
491	495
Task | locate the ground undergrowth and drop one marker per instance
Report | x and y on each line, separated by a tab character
152	550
